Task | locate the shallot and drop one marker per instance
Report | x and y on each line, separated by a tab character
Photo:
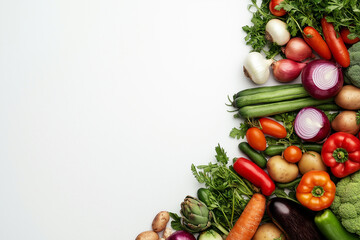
298	50
286	70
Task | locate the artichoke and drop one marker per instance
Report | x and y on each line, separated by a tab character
196	217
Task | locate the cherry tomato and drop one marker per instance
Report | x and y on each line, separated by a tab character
344	35
272	128
335	43
316	42
273	4
256	138
292	154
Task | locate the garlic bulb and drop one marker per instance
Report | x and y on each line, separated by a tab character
257	67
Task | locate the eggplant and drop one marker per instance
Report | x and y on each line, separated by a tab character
296	221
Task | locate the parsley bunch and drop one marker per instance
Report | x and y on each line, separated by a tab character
229	193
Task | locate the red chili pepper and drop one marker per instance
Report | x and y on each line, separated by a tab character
316	42
341	152
253	173
344	35
335	43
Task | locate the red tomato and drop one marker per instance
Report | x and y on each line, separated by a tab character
256	138
272	128
344	35
273	4
292	154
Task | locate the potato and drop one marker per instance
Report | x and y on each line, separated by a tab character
346	122
348	97
147	235
280	170
268	231
160	221
311	161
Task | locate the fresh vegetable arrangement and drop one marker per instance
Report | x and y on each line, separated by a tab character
298	176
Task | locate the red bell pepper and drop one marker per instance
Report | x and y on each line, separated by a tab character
253	173
341	152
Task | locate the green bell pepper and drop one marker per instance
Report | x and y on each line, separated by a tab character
331	227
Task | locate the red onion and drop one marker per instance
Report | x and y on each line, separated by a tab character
181	235
298	50
312	125
286	70
322	78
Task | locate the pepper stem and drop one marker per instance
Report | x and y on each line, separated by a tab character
318	191
340	155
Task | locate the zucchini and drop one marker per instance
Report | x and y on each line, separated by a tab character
251	91
270	97
263	110
274	150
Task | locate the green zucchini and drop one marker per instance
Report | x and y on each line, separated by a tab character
263	110
270	97
254	156
251	91
278	149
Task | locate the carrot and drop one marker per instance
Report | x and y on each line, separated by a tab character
248	222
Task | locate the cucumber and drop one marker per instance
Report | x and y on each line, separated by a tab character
329	107
255	90
254	156
274	150
291	184
270	97
263	110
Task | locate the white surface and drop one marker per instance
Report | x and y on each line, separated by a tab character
104	106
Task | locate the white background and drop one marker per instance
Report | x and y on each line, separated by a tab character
105	104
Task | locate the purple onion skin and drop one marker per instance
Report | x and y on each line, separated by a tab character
324	131
181	235
309	85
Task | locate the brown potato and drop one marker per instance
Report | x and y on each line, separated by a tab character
160	221
268	231
311	161
281	170
147	235
346	122
348	97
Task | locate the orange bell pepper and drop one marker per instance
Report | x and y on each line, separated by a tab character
316	191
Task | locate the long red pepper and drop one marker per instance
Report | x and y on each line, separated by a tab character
253	173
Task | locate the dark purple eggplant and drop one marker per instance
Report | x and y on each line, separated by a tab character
296	221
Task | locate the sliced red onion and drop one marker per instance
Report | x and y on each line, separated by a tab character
312	125
322	78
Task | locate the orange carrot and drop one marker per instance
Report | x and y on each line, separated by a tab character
248	222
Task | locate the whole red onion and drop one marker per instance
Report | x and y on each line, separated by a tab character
181	235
